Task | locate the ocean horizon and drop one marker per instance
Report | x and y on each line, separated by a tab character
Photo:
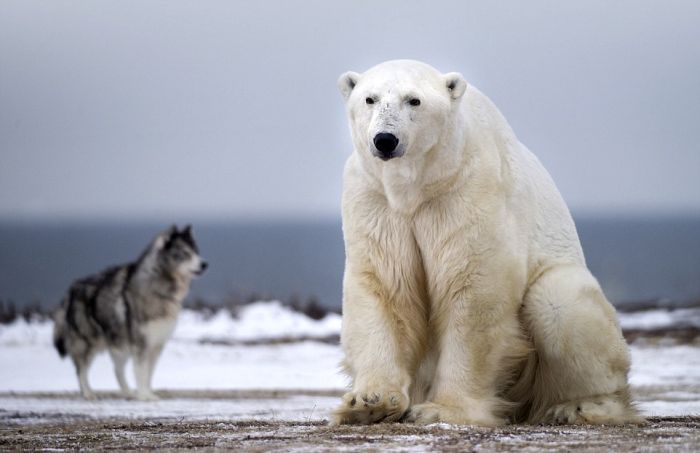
636	259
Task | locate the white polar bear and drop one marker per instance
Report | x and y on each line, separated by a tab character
466	295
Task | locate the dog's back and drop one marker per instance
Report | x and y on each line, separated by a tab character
91	315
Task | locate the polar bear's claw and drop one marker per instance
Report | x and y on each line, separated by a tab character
363	408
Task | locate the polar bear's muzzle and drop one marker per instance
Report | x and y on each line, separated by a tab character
386	146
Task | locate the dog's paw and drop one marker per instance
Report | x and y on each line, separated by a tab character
128	394
146	396
427	413
370	407
89	395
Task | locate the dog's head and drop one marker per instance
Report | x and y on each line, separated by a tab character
177	252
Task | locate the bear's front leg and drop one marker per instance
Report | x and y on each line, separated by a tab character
480	345
382	337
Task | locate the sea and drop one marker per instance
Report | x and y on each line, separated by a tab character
636	259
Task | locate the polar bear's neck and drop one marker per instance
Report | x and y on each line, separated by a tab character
409	183
403	186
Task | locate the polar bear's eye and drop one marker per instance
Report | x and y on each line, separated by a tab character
369	101
414	102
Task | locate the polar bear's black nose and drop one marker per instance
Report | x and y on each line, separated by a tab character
386	144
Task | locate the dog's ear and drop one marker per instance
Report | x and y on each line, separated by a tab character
186	234
188	238
164	239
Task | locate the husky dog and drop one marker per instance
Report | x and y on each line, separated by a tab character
130	310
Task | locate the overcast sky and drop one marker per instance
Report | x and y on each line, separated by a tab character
230	108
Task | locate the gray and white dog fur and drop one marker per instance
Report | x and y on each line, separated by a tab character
130	310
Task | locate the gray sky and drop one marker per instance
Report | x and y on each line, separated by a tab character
230	108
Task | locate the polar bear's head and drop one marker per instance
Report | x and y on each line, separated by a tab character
399	108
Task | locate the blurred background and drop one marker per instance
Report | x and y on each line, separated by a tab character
118	119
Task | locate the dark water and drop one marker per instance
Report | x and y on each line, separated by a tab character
634	259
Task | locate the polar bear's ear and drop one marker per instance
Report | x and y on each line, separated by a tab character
347	82
455	84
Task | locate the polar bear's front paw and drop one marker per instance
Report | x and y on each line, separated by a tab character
370	407
427	413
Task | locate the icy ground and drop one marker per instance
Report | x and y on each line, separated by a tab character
268	364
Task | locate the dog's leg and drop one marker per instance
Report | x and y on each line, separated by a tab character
142	371
153	355
119	358
583	360
82	366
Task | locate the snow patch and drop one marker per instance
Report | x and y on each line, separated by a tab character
209	352
259	321
660	319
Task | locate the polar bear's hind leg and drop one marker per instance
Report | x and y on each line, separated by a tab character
582	359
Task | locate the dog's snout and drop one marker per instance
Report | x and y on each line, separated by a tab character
386	144
203	265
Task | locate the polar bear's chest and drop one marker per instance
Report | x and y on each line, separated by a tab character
458	241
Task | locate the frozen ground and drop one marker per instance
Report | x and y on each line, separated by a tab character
271	374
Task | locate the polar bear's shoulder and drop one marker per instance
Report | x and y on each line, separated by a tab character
535	198
552	228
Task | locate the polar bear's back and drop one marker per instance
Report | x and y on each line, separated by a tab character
551	227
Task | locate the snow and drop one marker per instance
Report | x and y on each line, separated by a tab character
664	366
662	408
24	333
304	407
222	352
259	321
184	366
196	344
255	322
660	319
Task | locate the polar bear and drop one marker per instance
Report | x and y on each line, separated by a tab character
466	297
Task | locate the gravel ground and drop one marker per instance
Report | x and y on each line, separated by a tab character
89	429
675	434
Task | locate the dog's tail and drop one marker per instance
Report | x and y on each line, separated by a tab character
59	330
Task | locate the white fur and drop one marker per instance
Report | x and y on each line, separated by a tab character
156	334
159	331
192	266
466	295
